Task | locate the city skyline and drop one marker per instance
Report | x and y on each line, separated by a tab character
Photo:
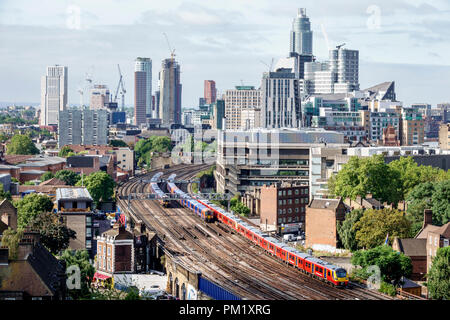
405	46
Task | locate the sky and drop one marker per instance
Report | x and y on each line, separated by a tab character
230	42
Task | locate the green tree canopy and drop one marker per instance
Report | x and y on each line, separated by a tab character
393	265
47	176
21	144
438	281
11	239
441	202
346	230
360	176
430	195
100	185
54	234
30	206
118	143
69	177
64	151
145	147
81	259
374	225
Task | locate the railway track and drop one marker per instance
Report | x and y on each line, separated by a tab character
224	256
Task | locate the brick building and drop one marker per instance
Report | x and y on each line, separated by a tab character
320	223
34	274
436	237
8	214
75	206
416	250
115	253
283	203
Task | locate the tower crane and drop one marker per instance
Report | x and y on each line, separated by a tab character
120	86
271	64
172	52
340	46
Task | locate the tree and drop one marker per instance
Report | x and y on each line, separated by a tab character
54	234
393	265
80	258
409	174
64	151
3	194
145	147
100	185
69	177
47	176
430	195
438	281
440	201
21	144
118	143
132	294
11	239
360	176
30	206
374	225
346	230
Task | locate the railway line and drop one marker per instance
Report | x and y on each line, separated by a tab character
224	256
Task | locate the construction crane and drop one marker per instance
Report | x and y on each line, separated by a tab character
271	64
172	52
340	46
120	86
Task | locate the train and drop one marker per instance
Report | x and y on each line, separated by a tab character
310	265
187	201
163	198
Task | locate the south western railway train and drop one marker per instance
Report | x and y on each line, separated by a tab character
310	265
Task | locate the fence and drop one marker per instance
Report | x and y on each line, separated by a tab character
214	291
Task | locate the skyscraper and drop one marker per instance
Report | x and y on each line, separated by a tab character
145	65
345	64
281	106
301	34
140	97
210	91
170	92
53	94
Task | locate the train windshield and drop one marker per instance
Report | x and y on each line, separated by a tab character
341	273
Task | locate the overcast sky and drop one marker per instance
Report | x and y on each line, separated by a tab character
403	40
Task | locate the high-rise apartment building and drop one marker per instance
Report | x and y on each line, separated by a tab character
345	64
241	98
100	96
281	104
53	94
87	127
140	97
301	34
339	75
145	65
170	92
210	91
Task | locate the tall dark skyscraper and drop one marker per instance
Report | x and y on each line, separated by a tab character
140	97
170	92
301	34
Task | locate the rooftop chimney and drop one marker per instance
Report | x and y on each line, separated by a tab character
428	217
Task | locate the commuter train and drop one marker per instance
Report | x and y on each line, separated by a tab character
310	265
187	201
163	199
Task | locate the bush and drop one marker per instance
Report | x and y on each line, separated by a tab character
388	289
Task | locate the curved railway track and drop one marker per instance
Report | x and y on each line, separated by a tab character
224	256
